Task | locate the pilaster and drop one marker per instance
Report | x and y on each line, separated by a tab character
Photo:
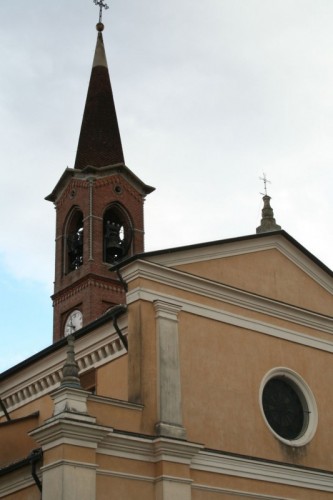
170	422
173	459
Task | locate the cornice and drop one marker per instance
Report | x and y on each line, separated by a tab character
239	246
146	479
241	321
154	450
72	463
45	375
262	470
115	402
94	173
236	493
217	291
91	280
148	449
125	475
58	431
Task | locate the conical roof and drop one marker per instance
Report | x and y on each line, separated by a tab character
99	142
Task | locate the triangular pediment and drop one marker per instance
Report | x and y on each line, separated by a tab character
273	266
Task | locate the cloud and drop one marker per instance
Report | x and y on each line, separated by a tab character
209	95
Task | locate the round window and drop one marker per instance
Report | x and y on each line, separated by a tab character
288	407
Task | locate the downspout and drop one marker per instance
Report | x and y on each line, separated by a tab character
118	310
4	409
34	457
121	279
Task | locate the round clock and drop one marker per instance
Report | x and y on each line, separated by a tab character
73	322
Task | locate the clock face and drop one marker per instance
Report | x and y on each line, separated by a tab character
73	322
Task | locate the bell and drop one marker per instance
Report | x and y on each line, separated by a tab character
113	243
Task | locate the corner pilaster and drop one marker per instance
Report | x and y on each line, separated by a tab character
69	440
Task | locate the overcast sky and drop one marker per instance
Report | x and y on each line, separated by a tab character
209	95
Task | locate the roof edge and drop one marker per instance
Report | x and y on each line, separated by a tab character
114	312
282	232
98	172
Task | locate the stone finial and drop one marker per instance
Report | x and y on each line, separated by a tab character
70	370
268	223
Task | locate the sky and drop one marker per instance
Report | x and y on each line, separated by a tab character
209	95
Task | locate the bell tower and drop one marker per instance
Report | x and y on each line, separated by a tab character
99	212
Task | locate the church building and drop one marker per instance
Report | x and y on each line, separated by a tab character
200	372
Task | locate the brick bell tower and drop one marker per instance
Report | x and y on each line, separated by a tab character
99	212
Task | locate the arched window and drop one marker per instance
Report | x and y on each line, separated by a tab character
117	233
74	241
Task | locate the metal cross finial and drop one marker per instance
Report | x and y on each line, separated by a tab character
264	178
101	4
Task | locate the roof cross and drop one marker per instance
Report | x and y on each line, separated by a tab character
265	180
101	4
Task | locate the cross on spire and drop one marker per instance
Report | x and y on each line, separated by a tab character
101	4
265	180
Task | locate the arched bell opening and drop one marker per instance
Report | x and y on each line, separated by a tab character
117	233
73	241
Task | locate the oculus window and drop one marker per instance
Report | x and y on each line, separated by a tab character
288	406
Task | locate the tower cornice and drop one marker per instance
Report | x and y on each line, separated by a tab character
91	172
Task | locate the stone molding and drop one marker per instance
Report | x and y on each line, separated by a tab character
224	293
72	463
236	493
235	319
156	449
194	455
224	249
166	310
45	376
76	288
149	449
263	471
80	431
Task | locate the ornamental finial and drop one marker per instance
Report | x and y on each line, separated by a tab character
70	370
268	223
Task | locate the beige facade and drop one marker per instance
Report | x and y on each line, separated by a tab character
212	381
181	415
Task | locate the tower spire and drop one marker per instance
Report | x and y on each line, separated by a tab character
99	206
99	142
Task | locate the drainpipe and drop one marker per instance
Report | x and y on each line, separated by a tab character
118	311
34	457
121	279
4	409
